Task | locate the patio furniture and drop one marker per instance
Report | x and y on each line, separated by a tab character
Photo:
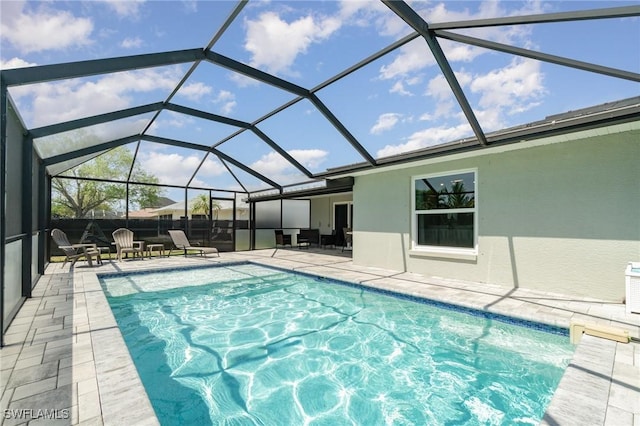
107	250
125	244
282	239
73	252
155	247
348	239
328	240
309	236
181	242
302	241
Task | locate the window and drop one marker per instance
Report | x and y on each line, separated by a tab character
444	212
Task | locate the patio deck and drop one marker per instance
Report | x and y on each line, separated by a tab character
65	357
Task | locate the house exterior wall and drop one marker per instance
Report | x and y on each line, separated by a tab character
322	211
560	217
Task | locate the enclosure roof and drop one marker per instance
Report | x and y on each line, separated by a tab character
263	97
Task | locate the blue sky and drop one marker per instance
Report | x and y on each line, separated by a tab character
396	104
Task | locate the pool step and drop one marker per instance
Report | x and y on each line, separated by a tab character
577	329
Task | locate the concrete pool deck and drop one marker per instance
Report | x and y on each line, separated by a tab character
65	361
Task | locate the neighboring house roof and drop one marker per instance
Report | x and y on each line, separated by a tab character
162	202
144	213
179	206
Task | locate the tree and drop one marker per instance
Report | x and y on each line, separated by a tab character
77	198
458	197
201	205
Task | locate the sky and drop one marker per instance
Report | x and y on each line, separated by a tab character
398	103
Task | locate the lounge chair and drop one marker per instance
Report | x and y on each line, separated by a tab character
181	242
125	244
73	252
282	239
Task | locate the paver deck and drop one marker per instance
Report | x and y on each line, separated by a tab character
65	361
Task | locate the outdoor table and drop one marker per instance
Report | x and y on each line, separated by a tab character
152	247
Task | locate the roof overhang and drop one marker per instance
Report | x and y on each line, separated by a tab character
331	187
557	128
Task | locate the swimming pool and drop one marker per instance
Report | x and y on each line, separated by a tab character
247	344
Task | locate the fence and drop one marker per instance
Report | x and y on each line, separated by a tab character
215	233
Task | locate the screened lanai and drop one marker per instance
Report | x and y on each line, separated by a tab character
258	107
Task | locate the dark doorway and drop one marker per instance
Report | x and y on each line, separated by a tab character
342	217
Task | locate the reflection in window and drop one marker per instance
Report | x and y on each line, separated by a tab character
445	210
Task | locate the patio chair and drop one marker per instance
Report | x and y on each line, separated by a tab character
282	239
73	252
125	244
348	239
181	242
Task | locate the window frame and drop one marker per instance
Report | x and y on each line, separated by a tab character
444	250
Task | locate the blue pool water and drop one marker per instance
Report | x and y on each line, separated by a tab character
246	344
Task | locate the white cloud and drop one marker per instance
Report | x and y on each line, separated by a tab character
426	138
126	8
226	101
368	13
131	43
515	88
44	29
210	169
512	89
277	168
412	57
242	80
310	158
385	122
416	56
398	87
173	168
272	164
439	88
172	119
274	43
146	80
15	63
195	91
76	98
190	6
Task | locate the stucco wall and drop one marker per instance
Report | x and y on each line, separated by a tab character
322	211
561	217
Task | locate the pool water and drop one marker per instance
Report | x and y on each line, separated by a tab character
247	344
